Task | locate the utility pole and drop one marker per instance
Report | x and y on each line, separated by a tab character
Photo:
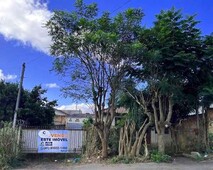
19	95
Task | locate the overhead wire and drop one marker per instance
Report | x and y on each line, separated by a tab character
124	4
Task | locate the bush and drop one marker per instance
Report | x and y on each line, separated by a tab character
9	146
159	157
113	141
122	159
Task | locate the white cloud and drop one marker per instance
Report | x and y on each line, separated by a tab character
24	20
51	85
84	107
7	77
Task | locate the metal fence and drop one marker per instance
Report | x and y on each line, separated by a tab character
30	140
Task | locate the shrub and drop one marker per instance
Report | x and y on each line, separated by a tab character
159	157
9	146
122	159
113	141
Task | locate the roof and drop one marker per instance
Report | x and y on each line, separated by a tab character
67	112
70	112
87	115
60	112
119	110
74	126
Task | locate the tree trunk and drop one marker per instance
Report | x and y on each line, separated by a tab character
161	141
146	151
131	140
142	136
121	142
104	135
207	129
174	132
104	148
198	128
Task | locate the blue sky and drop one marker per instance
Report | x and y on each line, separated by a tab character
23	37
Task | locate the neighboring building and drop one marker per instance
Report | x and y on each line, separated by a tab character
75	121
60	117
119	113
72	119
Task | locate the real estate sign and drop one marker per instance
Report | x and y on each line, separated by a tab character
53	141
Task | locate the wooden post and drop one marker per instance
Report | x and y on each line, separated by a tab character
18	97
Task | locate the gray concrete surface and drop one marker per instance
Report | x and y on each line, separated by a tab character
177	164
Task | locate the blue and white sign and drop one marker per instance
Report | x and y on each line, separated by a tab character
53	141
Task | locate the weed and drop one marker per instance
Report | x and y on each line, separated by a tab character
9	148
159	157
122	159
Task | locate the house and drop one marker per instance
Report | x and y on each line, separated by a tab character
76	121
60	117
119	113
72	119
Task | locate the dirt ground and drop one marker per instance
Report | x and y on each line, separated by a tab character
179	163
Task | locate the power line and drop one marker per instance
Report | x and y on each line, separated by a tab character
128	1
32	60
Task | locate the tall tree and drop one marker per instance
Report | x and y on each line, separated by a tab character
92	50
206	88
169	65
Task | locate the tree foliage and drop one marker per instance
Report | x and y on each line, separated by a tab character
8	93
172	64
95	52
33	109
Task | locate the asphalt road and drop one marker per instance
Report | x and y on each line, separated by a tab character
177	164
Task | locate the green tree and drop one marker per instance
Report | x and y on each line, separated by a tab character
37	110
94	51
206	88
33	109
8	93
206	92
170	66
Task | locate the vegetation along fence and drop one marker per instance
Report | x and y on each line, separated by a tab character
52	141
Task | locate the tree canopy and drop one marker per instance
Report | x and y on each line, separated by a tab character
173	61
34	109
95	53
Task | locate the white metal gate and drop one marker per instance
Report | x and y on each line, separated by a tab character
30	140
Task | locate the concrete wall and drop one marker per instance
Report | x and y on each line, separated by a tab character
210	113
154	138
